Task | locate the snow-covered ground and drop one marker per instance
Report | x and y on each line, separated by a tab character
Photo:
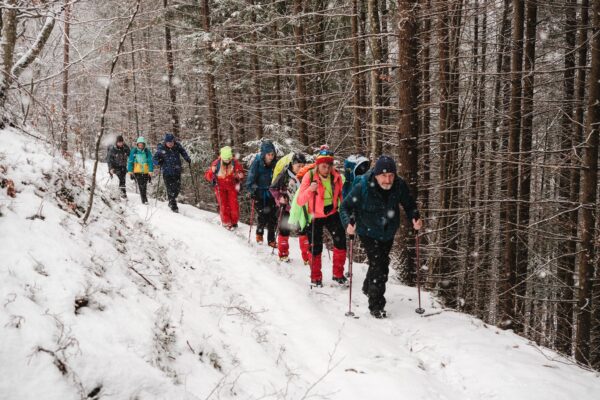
145	304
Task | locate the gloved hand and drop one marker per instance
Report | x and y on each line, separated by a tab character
149	178
214	182
131	176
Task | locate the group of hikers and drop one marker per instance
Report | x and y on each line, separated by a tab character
139	163
291	195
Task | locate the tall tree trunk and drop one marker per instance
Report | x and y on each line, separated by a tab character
210	82
151	113
64	142
526	160
564	308
408	126
170	73
256	77
588	198
356	86
133	79
426	103
509	273
300	84
376	85
7	46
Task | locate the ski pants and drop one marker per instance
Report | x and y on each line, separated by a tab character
377	275
267	217
173	185
142	182
229	209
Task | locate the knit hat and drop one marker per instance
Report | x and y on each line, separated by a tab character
169	137
298	158
226	153
384	165
325	156
141	140
120	139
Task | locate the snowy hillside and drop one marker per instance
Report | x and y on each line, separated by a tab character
146	304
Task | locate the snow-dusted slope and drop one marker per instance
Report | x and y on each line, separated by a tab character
146	304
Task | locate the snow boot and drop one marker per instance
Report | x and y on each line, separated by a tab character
341	280
316	283
283	246
259	238
273	244
284	259
379	314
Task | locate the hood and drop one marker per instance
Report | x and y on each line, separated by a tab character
267	147
359	162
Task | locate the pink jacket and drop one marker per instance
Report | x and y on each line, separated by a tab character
306	196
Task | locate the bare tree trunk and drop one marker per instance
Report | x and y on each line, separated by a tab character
256	78
588	199
426	104
376	85
356	86
64	142
300	84
210	83
509	273
135	97
526	162
564	308
170	73
408	126
151	112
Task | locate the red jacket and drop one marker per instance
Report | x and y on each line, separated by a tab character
228	176
306	196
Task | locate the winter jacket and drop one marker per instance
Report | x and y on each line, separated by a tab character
116	157
227	175
285	187
140	161
169	159
260	175
307	197
376	216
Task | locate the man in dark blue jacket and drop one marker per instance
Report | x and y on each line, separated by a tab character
258	182
168	157
374	203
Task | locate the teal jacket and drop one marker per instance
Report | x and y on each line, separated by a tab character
140	161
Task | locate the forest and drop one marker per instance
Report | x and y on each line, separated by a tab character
490	107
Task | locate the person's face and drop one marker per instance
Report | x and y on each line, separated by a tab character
385	180
141	146
324	169
169	144
226	162
269	158
120	144
297	167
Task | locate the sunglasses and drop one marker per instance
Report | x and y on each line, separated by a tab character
326	153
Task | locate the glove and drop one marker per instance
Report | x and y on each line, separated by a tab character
149	178
131	177
214	181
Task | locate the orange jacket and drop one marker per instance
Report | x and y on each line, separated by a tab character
306	196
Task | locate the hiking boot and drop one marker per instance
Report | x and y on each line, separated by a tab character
234	226
317	283
341	280
284	259
273	244
306	262
259	239
379	314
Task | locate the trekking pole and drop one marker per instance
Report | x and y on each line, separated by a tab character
350	258
278	223
312	230
251	220
419	310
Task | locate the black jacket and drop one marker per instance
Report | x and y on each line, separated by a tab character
116	158
377	213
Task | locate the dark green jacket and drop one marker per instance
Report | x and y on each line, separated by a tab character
377	215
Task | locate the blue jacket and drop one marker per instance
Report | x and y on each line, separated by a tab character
376	216
169	159
260	175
